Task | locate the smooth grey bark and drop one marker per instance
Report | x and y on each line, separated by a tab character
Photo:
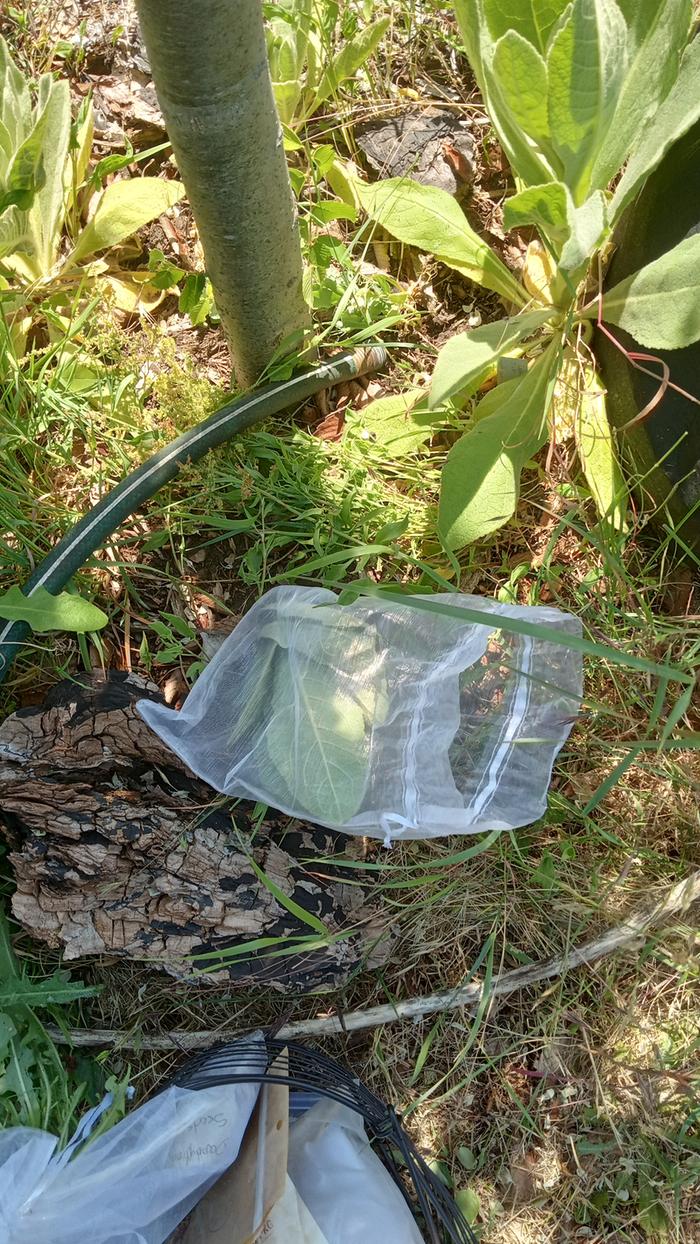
210	71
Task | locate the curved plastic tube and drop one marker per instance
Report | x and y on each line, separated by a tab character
99	523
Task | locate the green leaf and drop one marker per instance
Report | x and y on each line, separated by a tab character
400	423
481	476
42	224
347	62
469	1204
15	102
534	20
318	735
596	450
56	990
522	77
45	612
586	67
196	297
574	233
547	206
660	305
663	27
467	359
467	1158
26	174
675	116
123	208
588	229
431	220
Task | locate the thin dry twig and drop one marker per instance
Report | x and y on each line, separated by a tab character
678	898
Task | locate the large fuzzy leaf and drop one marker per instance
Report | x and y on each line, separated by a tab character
596	450
547	206
25	174
481	477
46	216
522	75
466	359
15	101
657	35
431	220
45	612
123	208
319	731
675	116
660	305
534	20
574	233
528	163
586	67
400	422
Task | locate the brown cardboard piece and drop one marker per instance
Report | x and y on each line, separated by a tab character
237	1208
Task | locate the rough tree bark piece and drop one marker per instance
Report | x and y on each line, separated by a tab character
431	145
210	71
117	849
678	898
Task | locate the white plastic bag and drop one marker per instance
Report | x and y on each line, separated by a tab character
134	1184
379	718
342	1182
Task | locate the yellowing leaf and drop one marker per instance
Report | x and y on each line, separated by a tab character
596	450
124	207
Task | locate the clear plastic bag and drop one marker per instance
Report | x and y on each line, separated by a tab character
379	718
132	1185
342	1182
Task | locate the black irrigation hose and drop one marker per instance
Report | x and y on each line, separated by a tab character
99	523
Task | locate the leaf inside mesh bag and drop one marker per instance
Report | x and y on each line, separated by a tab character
327	694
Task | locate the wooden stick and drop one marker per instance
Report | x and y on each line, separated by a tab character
678	898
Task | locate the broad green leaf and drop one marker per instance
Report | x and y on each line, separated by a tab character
45	612
674	117
526	161
660	305
481	476
123	208
586	67
596	450
46	216
588	230
26	174
468	358
468	1202
534	20
575	233
548	207
431	220
522	75
400	423
196	297
346	63
662	27
15	101
318	734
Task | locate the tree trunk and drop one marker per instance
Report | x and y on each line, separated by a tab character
210	71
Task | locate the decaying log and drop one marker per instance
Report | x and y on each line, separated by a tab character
117	849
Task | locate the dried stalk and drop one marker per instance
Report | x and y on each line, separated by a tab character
678	898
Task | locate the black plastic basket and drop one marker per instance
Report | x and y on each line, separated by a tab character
312	1072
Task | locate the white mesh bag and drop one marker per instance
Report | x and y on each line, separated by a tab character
380	718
